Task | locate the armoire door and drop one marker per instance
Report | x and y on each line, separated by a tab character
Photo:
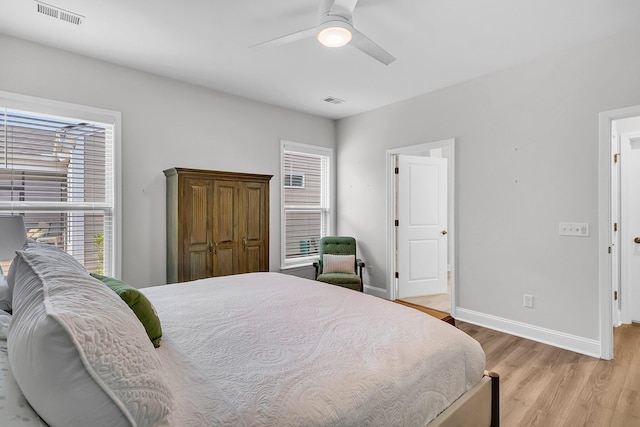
253	227
197	195
226	211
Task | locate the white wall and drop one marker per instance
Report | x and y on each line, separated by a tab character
165	123
526	160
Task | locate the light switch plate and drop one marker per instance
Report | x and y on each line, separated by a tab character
580	229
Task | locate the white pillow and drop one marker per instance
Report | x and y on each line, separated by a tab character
90	362
5	294
42	247
5	319
338	264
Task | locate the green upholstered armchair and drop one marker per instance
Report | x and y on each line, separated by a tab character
336	272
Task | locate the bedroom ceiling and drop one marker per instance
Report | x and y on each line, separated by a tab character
437	43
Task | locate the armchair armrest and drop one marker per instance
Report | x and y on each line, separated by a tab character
360	265
316	265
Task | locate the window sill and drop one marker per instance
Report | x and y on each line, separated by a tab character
307	264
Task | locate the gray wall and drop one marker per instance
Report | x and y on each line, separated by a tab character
526	160
165	123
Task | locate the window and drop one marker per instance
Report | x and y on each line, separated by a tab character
306	206
57	169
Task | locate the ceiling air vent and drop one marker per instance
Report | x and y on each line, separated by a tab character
333	100
57	13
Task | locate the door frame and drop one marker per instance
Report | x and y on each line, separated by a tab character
418	150
605	200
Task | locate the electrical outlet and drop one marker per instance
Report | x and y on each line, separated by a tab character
528	300
580	229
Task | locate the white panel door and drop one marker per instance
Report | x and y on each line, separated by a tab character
630	248
422	225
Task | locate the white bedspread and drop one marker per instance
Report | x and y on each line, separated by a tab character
267	349
14	408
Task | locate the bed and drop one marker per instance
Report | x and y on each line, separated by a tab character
258	349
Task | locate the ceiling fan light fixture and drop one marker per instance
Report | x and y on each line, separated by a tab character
335	35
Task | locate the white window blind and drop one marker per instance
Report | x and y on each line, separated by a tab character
58	172
306	209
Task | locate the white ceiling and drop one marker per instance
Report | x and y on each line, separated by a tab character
437	43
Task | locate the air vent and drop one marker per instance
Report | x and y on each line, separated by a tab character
48	10
333	100
294	181
57	13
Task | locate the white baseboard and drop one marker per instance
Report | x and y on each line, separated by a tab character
547	336
376	291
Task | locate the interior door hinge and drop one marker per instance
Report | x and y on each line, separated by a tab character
615	226
397	170
615	295
609	249
397	275
616	157
397	222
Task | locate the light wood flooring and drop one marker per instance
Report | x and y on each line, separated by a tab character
541	385
441	302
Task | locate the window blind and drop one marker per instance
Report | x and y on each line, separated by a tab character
58	173
306	207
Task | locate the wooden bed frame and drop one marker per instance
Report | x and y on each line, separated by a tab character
479	407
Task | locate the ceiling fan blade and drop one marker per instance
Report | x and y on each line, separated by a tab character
342	7
289	38
368	46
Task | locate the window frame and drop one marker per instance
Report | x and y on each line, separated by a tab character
330	199
36	105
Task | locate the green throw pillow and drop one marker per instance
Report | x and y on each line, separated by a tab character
140	305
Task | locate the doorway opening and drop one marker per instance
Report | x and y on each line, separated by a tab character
445	151
625	208
619	192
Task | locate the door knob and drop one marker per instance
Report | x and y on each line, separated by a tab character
637	240
443	232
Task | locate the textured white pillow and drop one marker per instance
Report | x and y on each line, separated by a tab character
338	263
32	245
5	294
78	352
5	319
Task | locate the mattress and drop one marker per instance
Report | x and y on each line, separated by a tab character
272	349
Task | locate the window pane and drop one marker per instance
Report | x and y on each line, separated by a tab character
303	230
306	169
81	234
57	159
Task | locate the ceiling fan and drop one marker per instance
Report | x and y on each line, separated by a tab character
335	29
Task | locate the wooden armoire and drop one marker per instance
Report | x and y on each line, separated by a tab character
217	223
